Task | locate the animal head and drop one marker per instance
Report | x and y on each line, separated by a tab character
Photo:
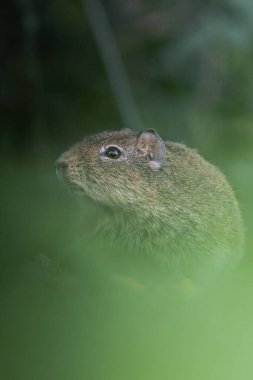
118	167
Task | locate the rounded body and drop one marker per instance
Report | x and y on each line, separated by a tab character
162	199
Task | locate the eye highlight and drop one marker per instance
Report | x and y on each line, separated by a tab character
113	152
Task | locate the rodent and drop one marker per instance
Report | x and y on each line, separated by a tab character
163	199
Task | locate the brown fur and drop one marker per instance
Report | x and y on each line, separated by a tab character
162	198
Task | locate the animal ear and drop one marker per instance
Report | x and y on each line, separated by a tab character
152	147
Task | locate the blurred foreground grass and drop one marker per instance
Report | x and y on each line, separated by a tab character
63	317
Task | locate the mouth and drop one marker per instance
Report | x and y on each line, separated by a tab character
74	186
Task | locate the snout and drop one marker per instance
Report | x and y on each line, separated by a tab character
61	165
67	173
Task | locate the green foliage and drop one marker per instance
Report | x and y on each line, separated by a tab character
68	312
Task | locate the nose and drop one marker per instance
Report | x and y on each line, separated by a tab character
61	164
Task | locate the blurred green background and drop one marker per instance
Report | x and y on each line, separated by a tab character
181	67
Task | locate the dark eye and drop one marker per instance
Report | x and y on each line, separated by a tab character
113	152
